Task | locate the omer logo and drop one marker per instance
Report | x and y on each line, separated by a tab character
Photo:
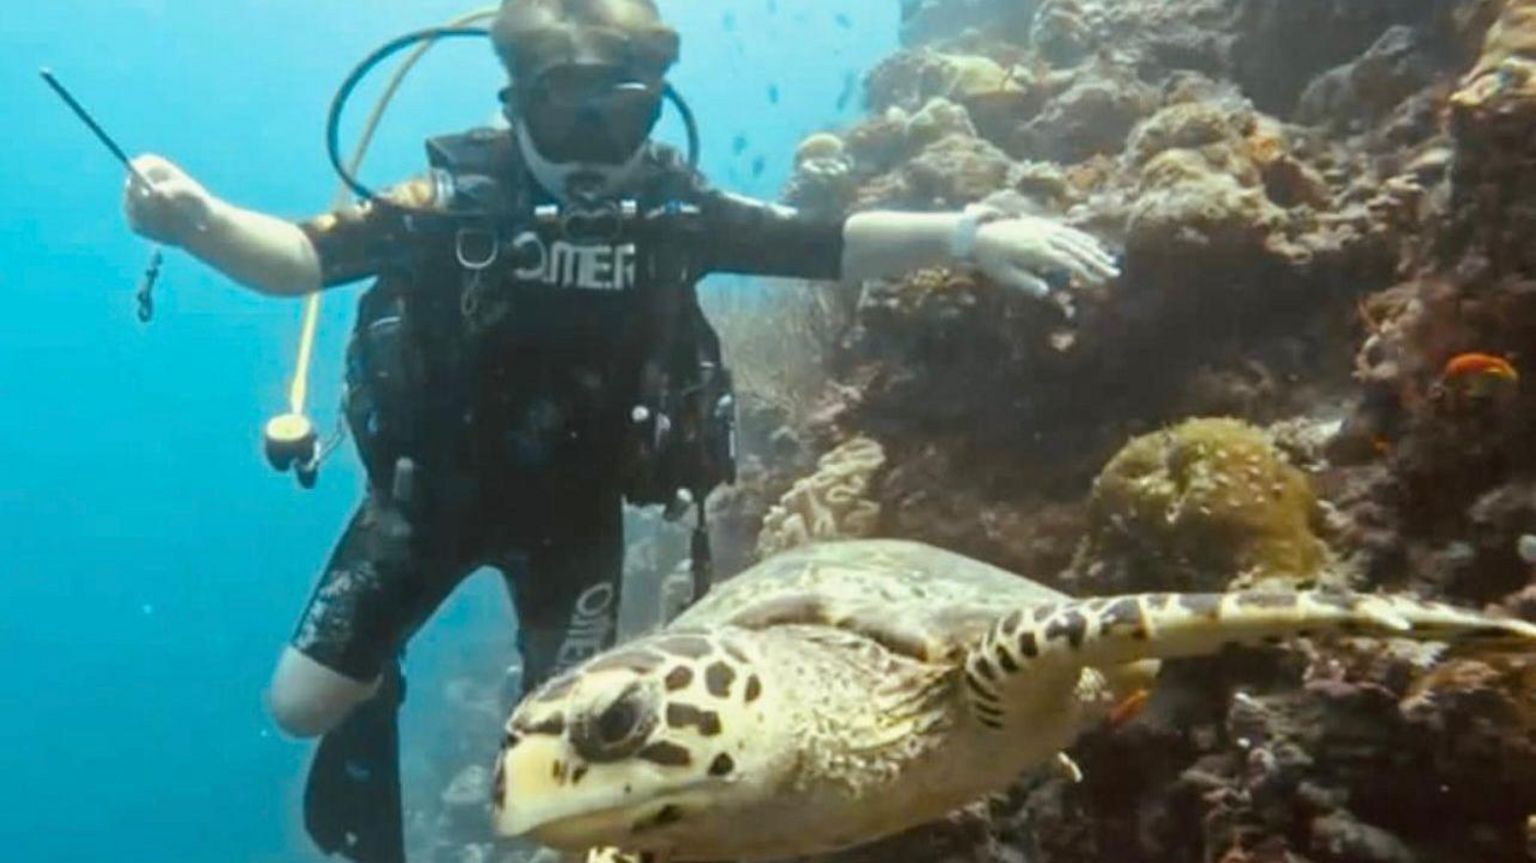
590	626
562	264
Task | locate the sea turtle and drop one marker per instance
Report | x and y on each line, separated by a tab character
844	691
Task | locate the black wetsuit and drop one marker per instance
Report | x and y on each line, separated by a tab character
514	422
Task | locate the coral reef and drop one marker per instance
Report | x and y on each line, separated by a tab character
832	503
1205	505
823	180
1324	212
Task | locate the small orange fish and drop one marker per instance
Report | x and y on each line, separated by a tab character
1128	709
1463	365
1475	381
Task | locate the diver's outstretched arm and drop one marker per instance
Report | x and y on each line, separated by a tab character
263	253
1017	251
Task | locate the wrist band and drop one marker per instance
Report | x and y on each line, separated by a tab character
962	243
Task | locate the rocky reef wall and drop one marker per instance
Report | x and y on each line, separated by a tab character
1310	372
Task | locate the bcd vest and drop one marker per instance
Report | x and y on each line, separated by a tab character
408	380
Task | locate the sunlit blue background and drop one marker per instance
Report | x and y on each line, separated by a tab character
151	564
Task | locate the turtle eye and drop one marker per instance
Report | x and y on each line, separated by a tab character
617	723
618	730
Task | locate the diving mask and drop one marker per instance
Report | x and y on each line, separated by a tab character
586	114
587	93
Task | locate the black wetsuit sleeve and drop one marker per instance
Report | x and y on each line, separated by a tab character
743	235
354	242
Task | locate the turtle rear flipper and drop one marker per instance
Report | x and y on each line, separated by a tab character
1054	639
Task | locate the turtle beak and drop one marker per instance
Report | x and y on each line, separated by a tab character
537	795
529	788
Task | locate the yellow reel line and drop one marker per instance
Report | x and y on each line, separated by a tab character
290	438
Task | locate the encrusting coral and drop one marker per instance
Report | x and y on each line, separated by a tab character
833	503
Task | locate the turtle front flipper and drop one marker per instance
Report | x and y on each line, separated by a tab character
1055	639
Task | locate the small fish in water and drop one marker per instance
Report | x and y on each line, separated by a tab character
759	165
1474	364
843	20
850	87
1128	709
729	22
739	145
773	7
773	93
1475	379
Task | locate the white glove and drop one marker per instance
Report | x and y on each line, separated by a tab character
172	209
1017	251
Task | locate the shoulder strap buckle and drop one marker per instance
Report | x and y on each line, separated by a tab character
476	247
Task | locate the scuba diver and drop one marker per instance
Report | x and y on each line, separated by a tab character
530	355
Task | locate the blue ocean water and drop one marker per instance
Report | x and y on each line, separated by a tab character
151	564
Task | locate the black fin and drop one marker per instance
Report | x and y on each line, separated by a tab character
352	797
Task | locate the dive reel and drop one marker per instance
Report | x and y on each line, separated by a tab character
290	441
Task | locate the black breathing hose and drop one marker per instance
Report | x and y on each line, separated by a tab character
358	73
395	46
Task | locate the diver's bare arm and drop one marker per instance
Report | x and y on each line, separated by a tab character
260	252
880	244
1013	250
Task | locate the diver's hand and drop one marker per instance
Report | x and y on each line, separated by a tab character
172	208
1019	251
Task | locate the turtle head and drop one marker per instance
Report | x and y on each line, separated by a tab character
658	739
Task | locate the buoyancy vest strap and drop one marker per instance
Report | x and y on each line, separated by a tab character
298	390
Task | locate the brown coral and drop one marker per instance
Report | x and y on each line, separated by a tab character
1493	116
1506	70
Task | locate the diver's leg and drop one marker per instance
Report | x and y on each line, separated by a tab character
307	699
383	580
567	596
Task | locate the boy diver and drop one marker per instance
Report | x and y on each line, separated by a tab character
530	356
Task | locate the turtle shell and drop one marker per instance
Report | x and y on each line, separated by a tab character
915	599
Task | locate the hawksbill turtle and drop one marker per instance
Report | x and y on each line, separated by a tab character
845	691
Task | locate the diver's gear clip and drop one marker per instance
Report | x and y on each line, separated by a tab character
146	293
477	250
